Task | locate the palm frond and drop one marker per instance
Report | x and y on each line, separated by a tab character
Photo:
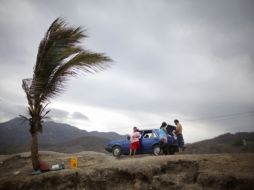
59	57
84	61
26	85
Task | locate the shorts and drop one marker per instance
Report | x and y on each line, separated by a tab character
180	140
134	145
164	140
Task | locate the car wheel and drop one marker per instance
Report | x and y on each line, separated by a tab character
116	151
171	150
156	150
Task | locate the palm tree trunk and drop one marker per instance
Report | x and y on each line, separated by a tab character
34	151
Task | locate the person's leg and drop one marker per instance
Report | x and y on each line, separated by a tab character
164	149
180	142
131	148
160	144
130	152
167	149
134	152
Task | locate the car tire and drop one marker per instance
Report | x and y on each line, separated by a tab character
171	150
156	150
116	151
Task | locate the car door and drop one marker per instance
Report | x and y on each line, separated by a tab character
126	146
148	139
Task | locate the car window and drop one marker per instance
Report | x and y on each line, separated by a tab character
149	135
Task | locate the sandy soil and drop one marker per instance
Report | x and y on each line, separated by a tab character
102	171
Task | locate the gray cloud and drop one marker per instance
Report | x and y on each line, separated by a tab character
58	114
62	116
78	115
9	110
194	59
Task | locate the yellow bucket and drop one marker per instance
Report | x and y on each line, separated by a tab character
74	162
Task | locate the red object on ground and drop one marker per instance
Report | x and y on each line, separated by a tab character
43	166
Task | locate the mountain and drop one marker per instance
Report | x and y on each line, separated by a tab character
15	137
87	143
226	143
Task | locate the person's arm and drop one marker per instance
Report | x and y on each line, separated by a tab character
131	137
137	134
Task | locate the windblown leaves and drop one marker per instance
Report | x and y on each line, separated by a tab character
60	56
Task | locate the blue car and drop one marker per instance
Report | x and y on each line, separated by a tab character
149	144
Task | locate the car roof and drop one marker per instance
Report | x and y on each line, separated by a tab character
148	129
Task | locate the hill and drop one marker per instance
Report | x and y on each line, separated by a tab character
15	137
88	143
226	143
98	171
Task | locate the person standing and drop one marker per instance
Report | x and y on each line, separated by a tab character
179	135
163	137
134	138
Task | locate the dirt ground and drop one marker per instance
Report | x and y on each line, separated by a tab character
102	171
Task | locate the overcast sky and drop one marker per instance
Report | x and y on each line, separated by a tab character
192	60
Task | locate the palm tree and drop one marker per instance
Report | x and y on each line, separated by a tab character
59	57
